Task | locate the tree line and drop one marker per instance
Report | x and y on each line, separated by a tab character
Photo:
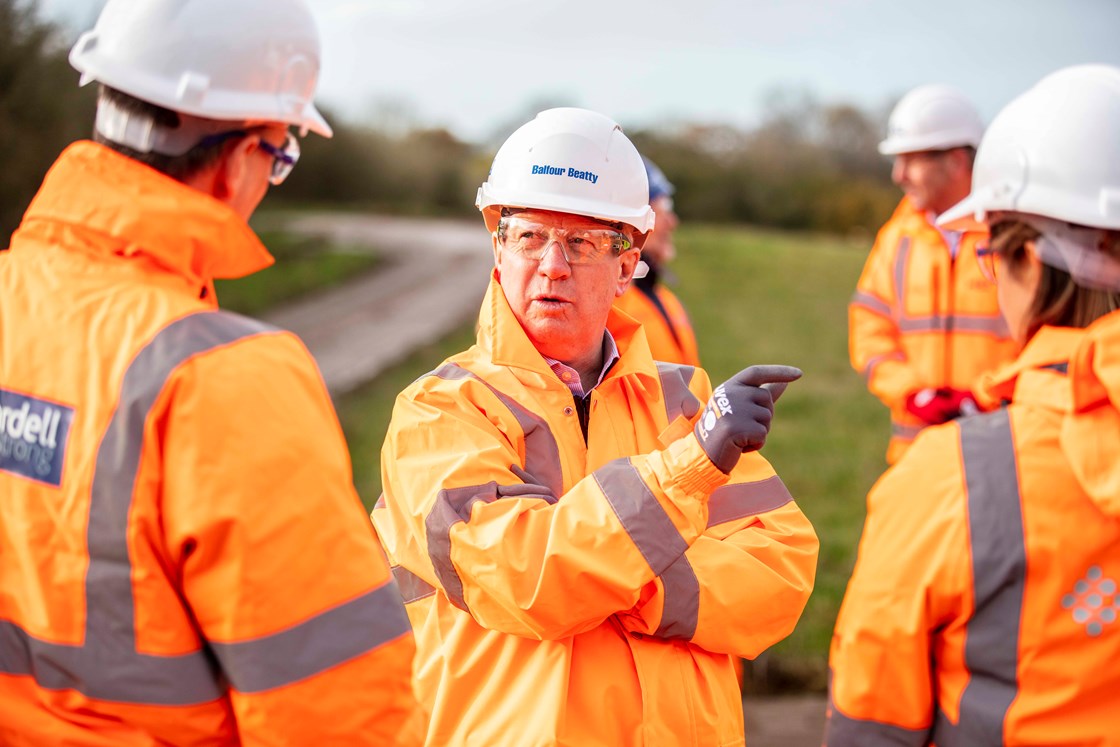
806	166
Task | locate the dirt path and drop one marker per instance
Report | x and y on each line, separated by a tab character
437	274
435	279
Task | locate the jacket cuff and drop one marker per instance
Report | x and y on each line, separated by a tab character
692	470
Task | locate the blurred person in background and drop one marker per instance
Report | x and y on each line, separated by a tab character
923	323
984	609
183	557
583	545
648	299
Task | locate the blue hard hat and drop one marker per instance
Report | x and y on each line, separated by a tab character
658	184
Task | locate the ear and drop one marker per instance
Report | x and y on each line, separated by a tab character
497	248
627	263
232	168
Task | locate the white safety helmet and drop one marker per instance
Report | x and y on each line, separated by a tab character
571	161
934	117
1052	158
245	61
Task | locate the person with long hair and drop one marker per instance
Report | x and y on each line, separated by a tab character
983	609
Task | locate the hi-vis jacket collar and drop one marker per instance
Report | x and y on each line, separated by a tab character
134	210
1091	433
1046	354
501	335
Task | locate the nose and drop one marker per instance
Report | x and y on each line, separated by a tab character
553	264
898	170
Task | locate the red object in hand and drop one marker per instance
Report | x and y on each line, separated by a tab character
935	406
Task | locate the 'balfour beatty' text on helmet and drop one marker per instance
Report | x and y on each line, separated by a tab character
227	60
1052	157
934	117
571	161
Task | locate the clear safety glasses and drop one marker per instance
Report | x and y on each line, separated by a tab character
284	157
987	256
584	246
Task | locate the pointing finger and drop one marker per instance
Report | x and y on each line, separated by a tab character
759	375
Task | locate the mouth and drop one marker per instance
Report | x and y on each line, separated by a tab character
550	299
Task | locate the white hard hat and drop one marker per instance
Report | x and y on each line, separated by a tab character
227	60
934	117
1052	157
571	161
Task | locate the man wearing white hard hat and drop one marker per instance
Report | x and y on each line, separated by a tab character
584	546
923	323
983	610
183	557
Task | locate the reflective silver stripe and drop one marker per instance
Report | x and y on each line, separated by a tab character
412	586
901	259
643	518
907	432
844	731
325	640
935	323
737	501
679	399
871	303
993	325
107	666
451	507
869	369
999	562
681	610
542	454
109	602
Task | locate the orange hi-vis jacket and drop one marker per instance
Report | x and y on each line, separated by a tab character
183	558
921	318
984	606
591	593
668	330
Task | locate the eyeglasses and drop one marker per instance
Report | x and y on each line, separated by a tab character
584	246
284	158
987	256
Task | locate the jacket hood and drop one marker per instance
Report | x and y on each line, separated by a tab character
110	204
1090	434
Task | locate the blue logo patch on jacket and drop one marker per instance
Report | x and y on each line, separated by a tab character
33	436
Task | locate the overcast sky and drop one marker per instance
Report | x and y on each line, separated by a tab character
476	67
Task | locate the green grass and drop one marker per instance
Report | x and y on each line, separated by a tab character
768	297
754	297
303	264
365	412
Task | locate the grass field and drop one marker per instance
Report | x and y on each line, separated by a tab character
754	297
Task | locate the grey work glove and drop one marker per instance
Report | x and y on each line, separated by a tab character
738	415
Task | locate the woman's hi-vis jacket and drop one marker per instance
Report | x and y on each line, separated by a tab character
984	607
668	329
183	559
579	593
921	318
